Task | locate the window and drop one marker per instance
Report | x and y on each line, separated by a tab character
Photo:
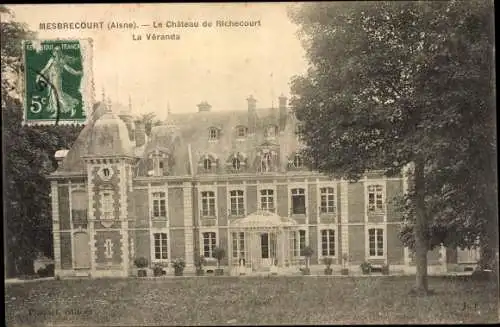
328	242
208	204
236	164
376	242
158	167
79	206
267	200
207	164
271	131
213	133
327	200
105	172
209	244
237	203
297	243
159	205
302	242
297	161
161	246
375	198
298	201
239	245
107	206
108	249
241	131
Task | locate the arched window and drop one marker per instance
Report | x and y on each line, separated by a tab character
236	164
297	161
207	164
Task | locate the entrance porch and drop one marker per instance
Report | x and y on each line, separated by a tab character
263	242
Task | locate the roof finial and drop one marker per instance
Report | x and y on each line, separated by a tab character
103	95
129	103
168	108
109	103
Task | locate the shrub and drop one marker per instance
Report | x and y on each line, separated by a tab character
366	267
47	271
141	262
219	254
199	261
158	270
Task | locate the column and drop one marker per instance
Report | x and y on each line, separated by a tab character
344	218
55	226
188	224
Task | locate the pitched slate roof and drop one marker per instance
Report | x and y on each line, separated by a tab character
185	138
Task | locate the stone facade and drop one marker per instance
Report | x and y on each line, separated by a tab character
119	195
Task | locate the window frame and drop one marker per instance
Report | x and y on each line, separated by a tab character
267	197
107	207
156	201
213	134
291	197
213	242
328	209
376	229
164	248
239	200
375	203
330	233
209	199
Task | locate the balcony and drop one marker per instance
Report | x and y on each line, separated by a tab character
327	215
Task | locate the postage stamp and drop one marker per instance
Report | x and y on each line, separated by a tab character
58	81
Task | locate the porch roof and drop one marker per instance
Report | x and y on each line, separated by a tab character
262	219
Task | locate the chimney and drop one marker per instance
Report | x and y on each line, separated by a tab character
252	115
140	133
283	111
204	106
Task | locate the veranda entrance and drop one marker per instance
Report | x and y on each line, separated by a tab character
263	240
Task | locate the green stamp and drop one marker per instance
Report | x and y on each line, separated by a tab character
58	84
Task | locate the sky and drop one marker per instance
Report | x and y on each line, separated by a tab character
222	66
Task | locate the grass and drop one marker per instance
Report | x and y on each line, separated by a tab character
249	301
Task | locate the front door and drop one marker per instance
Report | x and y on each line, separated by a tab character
82	251
265	249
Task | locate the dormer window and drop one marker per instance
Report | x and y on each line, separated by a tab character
271	131
213	134
207	164
241	131
297	161
236	164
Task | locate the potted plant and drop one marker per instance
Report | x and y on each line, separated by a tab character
199	262
158	270
308	252
178	265
141	263
328	261
219	254
345	261
385	269
366	268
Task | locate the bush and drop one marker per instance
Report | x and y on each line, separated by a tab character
366	267
219	254
141	262
178	265
158	270
47	271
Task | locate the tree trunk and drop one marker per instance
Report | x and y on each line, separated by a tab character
421	243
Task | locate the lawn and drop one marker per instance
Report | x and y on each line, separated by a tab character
250	301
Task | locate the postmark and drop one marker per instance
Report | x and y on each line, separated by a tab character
58	81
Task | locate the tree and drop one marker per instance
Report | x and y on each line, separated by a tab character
398	84
149	120
28	159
